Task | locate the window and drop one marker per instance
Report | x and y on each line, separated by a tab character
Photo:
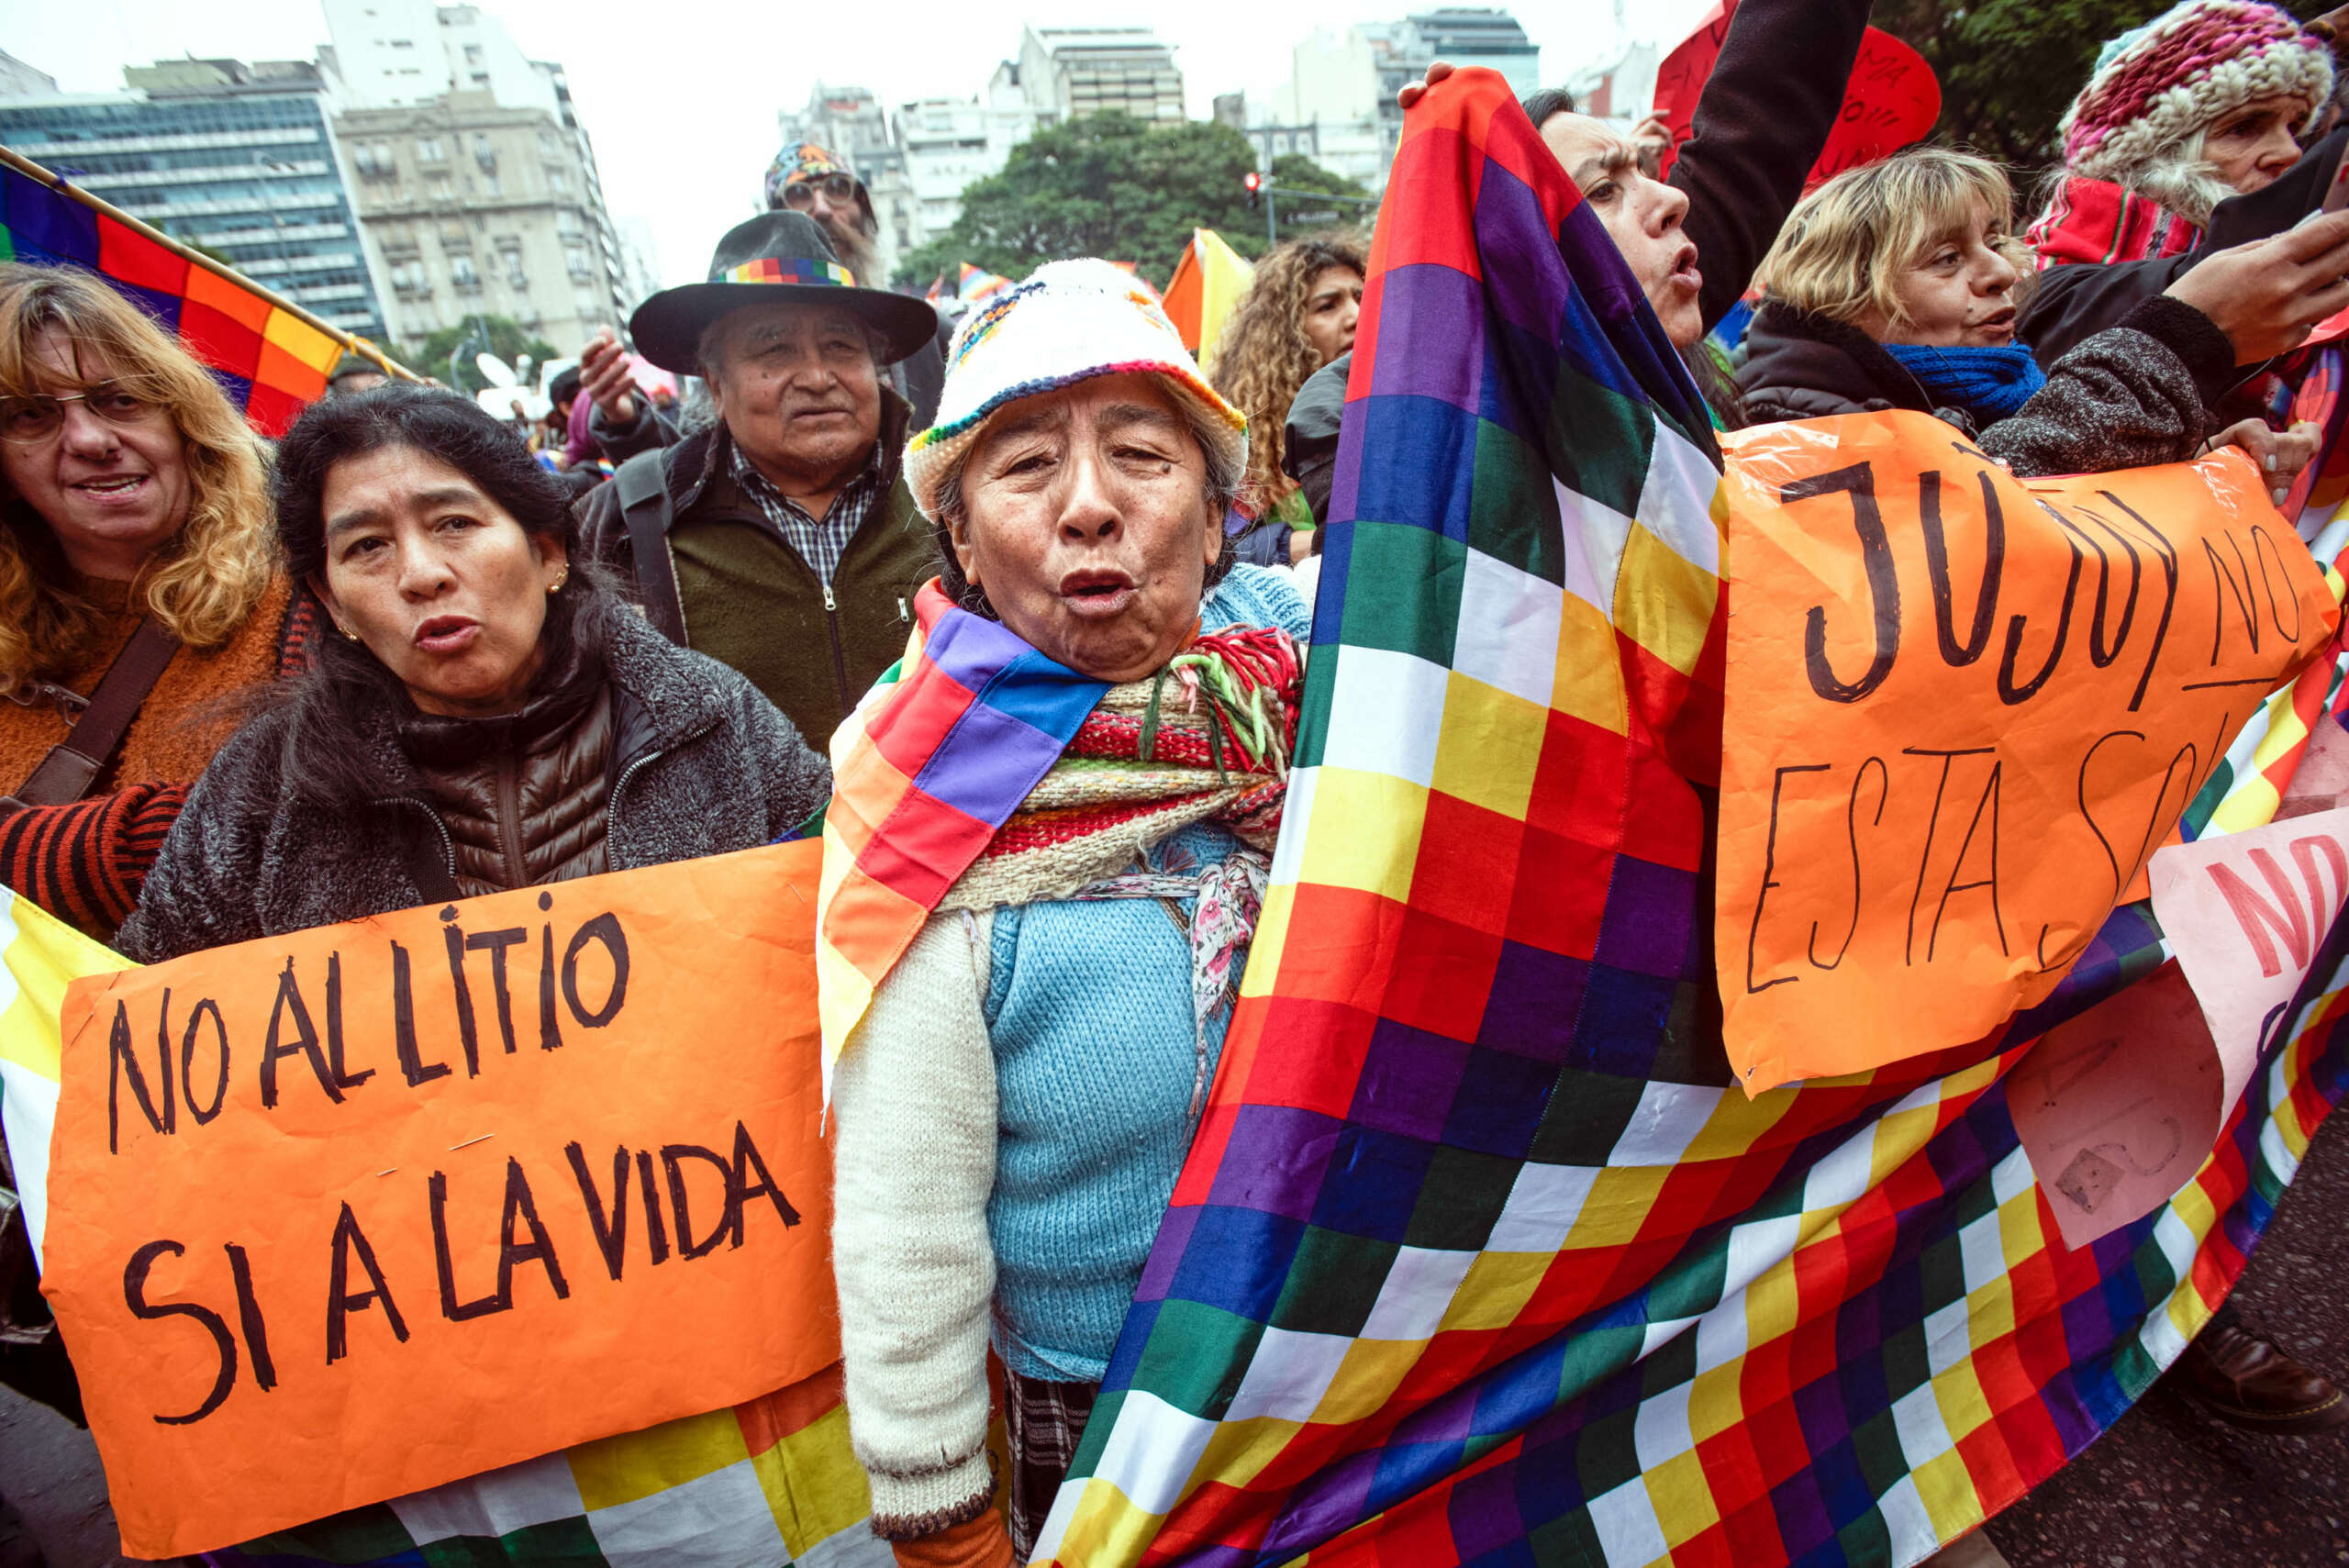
473	54
557	182
483	154
408	277
509	260
582	268
427	151
462	273
549	147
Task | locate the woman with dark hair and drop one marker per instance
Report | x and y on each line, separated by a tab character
491	717
1297	317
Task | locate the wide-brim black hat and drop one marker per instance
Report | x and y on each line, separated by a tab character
777	258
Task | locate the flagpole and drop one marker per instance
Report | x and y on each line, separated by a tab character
352	343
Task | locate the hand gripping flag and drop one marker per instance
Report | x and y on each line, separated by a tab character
269	357
1479	1256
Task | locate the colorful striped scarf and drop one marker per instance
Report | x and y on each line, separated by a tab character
979	772
2099	223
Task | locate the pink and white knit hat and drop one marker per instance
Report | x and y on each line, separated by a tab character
1070	321
2155	86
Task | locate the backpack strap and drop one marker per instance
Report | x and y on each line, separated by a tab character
75	763
643	482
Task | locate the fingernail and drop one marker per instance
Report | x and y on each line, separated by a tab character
2268	462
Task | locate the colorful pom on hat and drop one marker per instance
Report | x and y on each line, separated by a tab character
2157	86
1069	322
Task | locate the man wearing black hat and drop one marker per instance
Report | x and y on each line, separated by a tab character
781	540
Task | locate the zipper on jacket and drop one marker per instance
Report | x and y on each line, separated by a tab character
612	805
840	655
448	844
509	829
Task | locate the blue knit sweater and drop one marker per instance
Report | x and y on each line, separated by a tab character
1088	1009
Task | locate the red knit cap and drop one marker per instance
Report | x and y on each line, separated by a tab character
2157	86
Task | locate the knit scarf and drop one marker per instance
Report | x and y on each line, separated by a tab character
1988	383
980	773
2099	223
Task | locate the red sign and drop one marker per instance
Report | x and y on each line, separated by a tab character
1892	99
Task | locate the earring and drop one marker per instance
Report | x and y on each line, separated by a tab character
560	578
348	635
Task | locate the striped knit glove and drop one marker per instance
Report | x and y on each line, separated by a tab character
85	862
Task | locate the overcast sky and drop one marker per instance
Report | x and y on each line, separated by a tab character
681	95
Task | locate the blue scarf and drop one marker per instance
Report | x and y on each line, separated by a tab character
1988	383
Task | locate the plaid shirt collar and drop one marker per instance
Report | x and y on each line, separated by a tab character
820	542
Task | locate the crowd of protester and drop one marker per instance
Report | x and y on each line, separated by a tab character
401	659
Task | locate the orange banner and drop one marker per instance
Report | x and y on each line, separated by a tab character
1964	710
345	1214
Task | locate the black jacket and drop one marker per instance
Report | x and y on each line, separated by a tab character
750	601
702	765
1761	123
2126	398
2070	303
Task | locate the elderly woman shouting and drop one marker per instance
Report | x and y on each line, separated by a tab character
1044	860
488	717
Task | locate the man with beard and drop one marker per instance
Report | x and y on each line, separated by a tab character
809	179
780	539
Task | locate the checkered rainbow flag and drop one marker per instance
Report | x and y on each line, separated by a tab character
269	357
1479	1256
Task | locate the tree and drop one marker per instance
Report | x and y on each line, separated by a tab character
1295	180
508	339
1106	185
2009	68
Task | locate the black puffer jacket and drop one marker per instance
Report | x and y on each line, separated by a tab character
701	764
2126	398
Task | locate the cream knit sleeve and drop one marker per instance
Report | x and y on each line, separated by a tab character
914	1161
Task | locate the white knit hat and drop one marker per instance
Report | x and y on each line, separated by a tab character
2155	86
1069	322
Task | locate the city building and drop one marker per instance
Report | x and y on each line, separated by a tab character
236	160
19	79
1070	72
950	142
1622	88
1338	107
476	179
474	208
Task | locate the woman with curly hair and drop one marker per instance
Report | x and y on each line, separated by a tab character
135	526
1298	315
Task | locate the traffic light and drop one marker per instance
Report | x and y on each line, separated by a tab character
1255	183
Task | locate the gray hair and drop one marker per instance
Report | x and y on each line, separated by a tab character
1221	486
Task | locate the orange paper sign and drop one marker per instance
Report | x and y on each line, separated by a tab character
344	1214
1962	711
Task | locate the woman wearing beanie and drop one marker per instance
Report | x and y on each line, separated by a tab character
1044	938
2199	104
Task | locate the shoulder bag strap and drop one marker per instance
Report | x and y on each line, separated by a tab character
643	482
75	763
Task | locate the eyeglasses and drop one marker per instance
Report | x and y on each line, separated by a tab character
836	188
25	420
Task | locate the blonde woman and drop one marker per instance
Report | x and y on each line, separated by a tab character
1895	285
1297	317
132	496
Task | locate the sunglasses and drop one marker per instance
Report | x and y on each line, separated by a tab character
25	420
835	187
